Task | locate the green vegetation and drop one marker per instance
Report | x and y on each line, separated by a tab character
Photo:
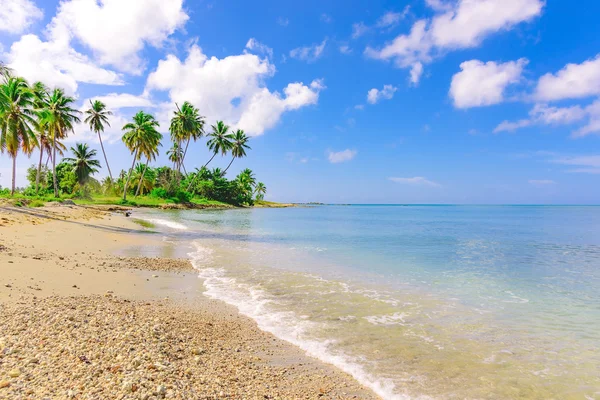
35	118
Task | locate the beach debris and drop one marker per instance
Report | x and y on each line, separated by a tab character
4	384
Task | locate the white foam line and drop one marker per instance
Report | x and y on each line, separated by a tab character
253	302
167	223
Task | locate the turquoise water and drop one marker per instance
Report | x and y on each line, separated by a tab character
415	301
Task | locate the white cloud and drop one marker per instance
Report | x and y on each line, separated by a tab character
326	18
309	53
232	89
118	30
391	19
359	107
123	100
374	95
341	156
483	84
573	81
56	64
542	114
415	73
593	125
417	180
456	25
541	182
259	47
18	15
283	21
359	29
345	49
583	164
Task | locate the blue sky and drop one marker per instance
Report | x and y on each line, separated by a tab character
421	101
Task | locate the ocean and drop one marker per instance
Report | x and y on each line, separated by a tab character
416	302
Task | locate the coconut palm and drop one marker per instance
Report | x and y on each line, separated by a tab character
60	118
4	70
17	120
140	135
149	150
187	124
97	116
247	176
260	191
175	155
84	162
239	146
145	176
41	94
219	142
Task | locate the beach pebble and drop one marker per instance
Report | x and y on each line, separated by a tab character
14	373
4	384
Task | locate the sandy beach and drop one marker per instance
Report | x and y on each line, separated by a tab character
81	322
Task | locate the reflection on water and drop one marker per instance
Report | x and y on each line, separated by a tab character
447	302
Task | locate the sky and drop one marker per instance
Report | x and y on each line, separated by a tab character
413	101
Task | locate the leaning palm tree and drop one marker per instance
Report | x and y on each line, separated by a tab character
97	116
17	120
84	162
239	146
219	142
260	191
60	118
139	135
186	124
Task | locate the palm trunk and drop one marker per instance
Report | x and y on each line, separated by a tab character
142	178
193	180
14	175
105	159
129	176
228	165
48	159
39	171
184	153
54	164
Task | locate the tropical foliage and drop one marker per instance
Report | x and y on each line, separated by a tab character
34	118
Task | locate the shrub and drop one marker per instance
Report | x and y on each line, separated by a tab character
36	203
183	197
159	193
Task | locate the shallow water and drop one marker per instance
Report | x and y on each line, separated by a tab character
496	302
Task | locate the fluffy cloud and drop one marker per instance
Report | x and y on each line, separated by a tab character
232	89
374	95
460	25
391	19
309	53
18	15
573	81
345	49
258	47
341	156
56	64
417	180
123	100
483	84
415	73
359	29
132	25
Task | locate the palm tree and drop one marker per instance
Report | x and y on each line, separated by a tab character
17	117
238	146
260	191
84	163
149	149
186	124
4	70
145	176
60	118
97	116
247	176
175	155
219	142
40	93
139	136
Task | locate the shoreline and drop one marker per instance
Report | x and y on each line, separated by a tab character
61	284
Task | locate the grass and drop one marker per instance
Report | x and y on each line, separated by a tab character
144	223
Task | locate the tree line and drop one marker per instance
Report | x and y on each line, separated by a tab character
33	117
